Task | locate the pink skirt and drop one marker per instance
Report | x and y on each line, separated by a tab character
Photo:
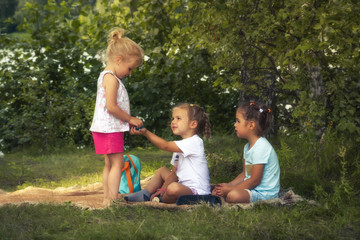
107	143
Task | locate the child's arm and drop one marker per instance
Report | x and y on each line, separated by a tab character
111	86
237	180
240	178
254	180
156	140
239	183
222	189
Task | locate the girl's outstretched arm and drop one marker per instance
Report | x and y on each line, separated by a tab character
156	140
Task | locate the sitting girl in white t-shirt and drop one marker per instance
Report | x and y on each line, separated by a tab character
190	173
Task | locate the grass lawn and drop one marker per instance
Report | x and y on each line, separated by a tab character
302	221
20	35
81	167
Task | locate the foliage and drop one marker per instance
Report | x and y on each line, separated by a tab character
225	163
299	54
7	9
50	71
327	170
173	73
58	97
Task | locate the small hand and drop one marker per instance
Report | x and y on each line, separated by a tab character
157	194
221	189
136	122
137	131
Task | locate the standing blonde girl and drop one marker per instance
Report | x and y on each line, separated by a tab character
190	173
260	178
112	108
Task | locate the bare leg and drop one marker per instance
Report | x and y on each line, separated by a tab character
157	180
238	196
106	171
113	181
175	190
146	193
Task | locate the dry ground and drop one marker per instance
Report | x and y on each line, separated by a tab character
91	197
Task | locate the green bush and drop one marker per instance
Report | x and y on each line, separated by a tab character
224	155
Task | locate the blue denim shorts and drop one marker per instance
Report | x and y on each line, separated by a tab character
255	195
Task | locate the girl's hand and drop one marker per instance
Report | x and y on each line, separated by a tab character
134	131
222	189
157	193
136	122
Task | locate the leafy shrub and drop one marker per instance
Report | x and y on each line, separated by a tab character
224	155
324	168
56	70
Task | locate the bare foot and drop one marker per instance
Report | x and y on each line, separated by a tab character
106	202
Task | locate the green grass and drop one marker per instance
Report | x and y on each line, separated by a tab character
20	35
335	216
302	221
68	168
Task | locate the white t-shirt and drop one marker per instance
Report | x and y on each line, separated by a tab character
191	165
103	121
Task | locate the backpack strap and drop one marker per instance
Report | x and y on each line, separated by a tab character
133	164
128	176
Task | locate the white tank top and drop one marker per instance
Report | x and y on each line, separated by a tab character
103	121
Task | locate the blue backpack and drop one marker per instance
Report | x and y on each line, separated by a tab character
130	175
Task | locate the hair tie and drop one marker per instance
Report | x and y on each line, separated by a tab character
261	110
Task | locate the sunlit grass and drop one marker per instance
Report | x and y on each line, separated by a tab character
20	35
83	180
69	168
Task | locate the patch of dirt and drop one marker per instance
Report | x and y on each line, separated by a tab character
91	197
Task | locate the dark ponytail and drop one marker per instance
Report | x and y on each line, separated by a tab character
259	113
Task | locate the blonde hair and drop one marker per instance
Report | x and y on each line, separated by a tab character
197	113
118	45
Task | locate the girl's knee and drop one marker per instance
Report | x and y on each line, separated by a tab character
232	196
176	189
173	189
161	171
238	196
